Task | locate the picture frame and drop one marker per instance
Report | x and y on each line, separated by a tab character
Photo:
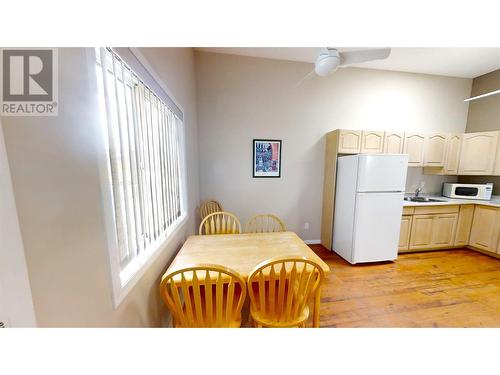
266	161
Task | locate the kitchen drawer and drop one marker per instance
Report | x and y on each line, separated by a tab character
429	210
408	210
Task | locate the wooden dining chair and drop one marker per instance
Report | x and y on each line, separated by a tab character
265	223
220	223
204	295
280	290
209	207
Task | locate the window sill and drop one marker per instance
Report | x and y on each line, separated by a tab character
134	271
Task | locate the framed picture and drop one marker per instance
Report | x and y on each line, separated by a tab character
266	158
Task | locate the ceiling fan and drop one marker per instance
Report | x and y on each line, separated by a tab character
330	59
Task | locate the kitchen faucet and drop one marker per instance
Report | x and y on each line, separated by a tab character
417	191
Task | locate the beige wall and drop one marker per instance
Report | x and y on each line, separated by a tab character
484	115
241	98
16	303
54	167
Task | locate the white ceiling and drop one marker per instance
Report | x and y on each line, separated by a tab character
454	62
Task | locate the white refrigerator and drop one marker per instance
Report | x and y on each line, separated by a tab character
368	206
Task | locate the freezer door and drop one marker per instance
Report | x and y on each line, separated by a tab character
382	172
377	223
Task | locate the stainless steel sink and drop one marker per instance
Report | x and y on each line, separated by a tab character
422	199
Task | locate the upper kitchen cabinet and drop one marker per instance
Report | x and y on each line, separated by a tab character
349	142
414	146
453	154
393	143
372	142
478	153
451	159
496	172
435	149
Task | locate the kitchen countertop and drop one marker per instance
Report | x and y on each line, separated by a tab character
494	202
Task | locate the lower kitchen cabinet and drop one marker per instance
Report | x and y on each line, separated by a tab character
464	224
442	227
421	232
432	231
443	230
485	230
404	233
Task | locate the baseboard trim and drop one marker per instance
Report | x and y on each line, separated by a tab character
312	242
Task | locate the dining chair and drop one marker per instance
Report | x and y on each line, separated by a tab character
265	223
280	290
220	223
204	295
209	207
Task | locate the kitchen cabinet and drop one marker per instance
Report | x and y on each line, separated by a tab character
464	224
496	172
404	233
435	149
453	154
414	146
443	230
478	153
372	142
393	143
421	232
349	142
485	228
451	159
433	227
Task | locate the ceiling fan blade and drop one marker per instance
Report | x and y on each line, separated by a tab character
305	78
355	57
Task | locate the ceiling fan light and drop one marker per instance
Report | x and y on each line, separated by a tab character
327	63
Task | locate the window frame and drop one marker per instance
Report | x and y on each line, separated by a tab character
123	280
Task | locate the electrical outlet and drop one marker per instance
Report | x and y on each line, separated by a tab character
306	226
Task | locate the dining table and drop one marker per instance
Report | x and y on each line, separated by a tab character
243	252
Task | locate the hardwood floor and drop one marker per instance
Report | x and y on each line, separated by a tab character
452	288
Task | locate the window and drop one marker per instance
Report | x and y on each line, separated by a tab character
143	141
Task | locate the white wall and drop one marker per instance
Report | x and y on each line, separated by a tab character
241	98
55	175
16	304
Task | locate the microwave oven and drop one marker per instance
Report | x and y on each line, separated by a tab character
468	191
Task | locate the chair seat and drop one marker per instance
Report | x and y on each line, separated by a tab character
270	321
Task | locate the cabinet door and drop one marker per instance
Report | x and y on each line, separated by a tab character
372	142
421	231
485	228
443	230
414	145
349	142
478	153
393	143
453	154
435	149
464	224
404	233
496	172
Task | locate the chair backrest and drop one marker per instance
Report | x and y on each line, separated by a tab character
264	223
204	295
220	223
209	207
280	288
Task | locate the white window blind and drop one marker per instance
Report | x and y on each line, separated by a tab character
143	140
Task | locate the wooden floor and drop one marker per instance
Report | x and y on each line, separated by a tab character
453	288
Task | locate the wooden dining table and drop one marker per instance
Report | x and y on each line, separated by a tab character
243	252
